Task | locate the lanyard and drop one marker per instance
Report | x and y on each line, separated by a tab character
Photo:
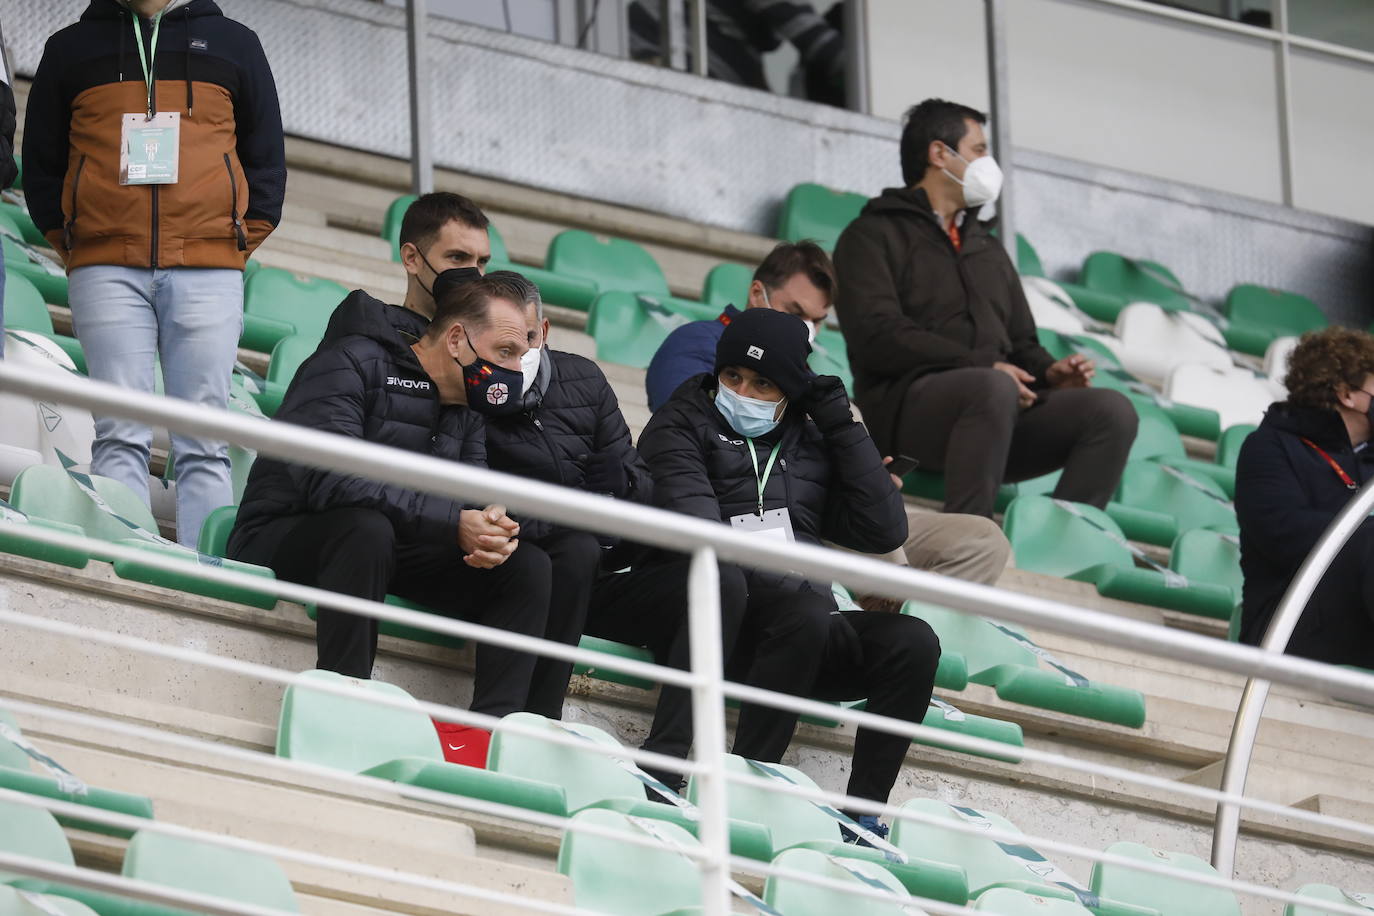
152	53
1340	471
767	469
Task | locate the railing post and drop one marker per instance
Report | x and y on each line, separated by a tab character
856	84
421	156
708	724
1226	829
1283	65
999	112
701	52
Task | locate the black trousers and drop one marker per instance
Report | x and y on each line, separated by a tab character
967	423
778	635
575	557
356	552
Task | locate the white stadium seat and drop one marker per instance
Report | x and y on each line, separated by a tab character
1154	341
1238	395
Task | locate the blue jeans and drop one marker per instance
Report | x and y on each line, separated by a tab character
125	317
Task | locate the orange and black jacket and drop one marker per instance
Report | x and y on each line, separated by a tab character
232	168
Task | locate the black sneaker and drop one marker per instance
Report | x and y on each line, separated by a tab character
870	823
673	781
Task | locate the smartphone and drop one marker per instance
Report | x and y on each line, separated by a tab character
902	465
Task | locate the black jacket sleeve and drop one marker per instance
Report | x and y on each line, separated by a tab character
328	395
261	144
47	119
8	170
880	335
863	508
613	436
676	457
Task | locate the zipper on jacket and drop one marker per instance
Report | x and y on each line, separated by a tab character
234	205
69	230
553	452
152	243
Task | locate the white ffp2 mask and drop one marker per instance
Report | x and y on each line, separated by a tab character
982	180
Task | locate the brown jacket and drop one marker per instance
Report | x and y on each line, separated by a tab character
910	305
232	171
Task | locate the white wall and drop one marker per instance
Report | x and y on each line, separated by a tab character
1123	89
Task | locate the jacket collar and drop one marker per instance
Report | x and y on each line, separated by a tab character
115	9
913	202
1322	425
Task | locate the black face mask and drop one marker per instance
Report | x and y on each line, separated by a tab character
446	280
492	390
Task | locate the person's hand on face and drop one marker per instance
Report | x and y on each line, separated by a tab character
1024	396
487	536
1074	371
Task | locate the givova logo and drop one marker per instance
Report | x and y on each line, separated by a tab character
394	381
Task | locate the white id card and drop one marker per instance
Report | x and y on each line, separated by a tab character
149	150
775	523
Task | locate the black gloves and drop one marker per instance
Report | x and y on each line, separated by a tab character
827	404
604	473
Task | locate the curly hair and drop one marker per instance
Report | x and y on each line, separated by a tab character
1326	359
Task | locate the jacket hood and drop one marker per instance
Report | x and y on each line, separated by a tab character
910	200
113	9
392	326
1322	425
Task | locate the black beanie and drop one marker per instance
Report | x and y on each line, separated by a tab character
771	343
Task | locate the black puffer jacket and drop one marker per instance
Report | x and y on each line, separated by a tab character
833	485
572	415
364	381
1286	495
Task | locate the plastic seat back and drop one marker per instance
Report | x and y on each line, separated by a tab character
288	355
350	733
10	754
44	491
610	263
727	284
1156	435
587	777
1027	258
790	819
1136	280
802	898
1007	902
1228	447
974	637
983	861
1235	394
1196	503
1051	540
813	211
214	533
217	871
1276	357
35	833
1154	342
627	879
24	306
305	302
1327	893
1174	896
12	904
391	223
1208	556
1276	309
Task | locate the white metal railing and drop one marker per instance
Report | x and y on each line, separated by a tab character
673	532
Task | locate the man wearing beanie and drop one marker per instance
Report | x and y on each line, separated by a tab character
763	445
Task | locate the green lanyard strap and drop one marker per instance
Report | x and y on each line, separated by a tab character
767	469
144	59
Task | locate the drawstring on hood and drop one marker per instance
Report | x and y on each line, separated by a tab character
190	93
185	7
122	33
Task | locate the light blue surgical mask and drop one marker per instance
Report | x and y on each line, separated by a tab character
750	417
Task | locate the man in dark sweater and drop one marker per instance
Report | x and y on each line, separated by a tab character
947	366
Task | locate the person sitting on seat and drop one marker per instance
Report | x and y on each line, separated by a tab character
338	531
947	366
797	278
567	429
765	446
1294	474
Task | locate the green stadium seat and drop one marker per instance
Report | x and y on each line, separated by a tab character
47	492
815	212
1006	902
1325	893
391	223
727	284
278	303
608	672
796	823
39	266
19	216
830	356
802	898
987	863
203	868
1090	547
17	775
400	745
1194	502
930	485
1133	280
606	263
1209	556
1259	315
998	659
16	538
628	879
1174	896
1028	262
14	904
25	310
595	780
287	356
1228	446
35	833
629	327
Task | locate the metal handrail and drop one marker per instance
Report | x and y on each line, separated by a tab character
1251	710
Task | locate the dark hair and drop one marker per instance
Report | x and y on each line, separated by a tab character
791	258
470	303
1325	359
933	119
431	212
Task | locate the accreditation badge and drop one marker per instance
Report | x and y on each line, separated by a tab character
149	148
775	523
